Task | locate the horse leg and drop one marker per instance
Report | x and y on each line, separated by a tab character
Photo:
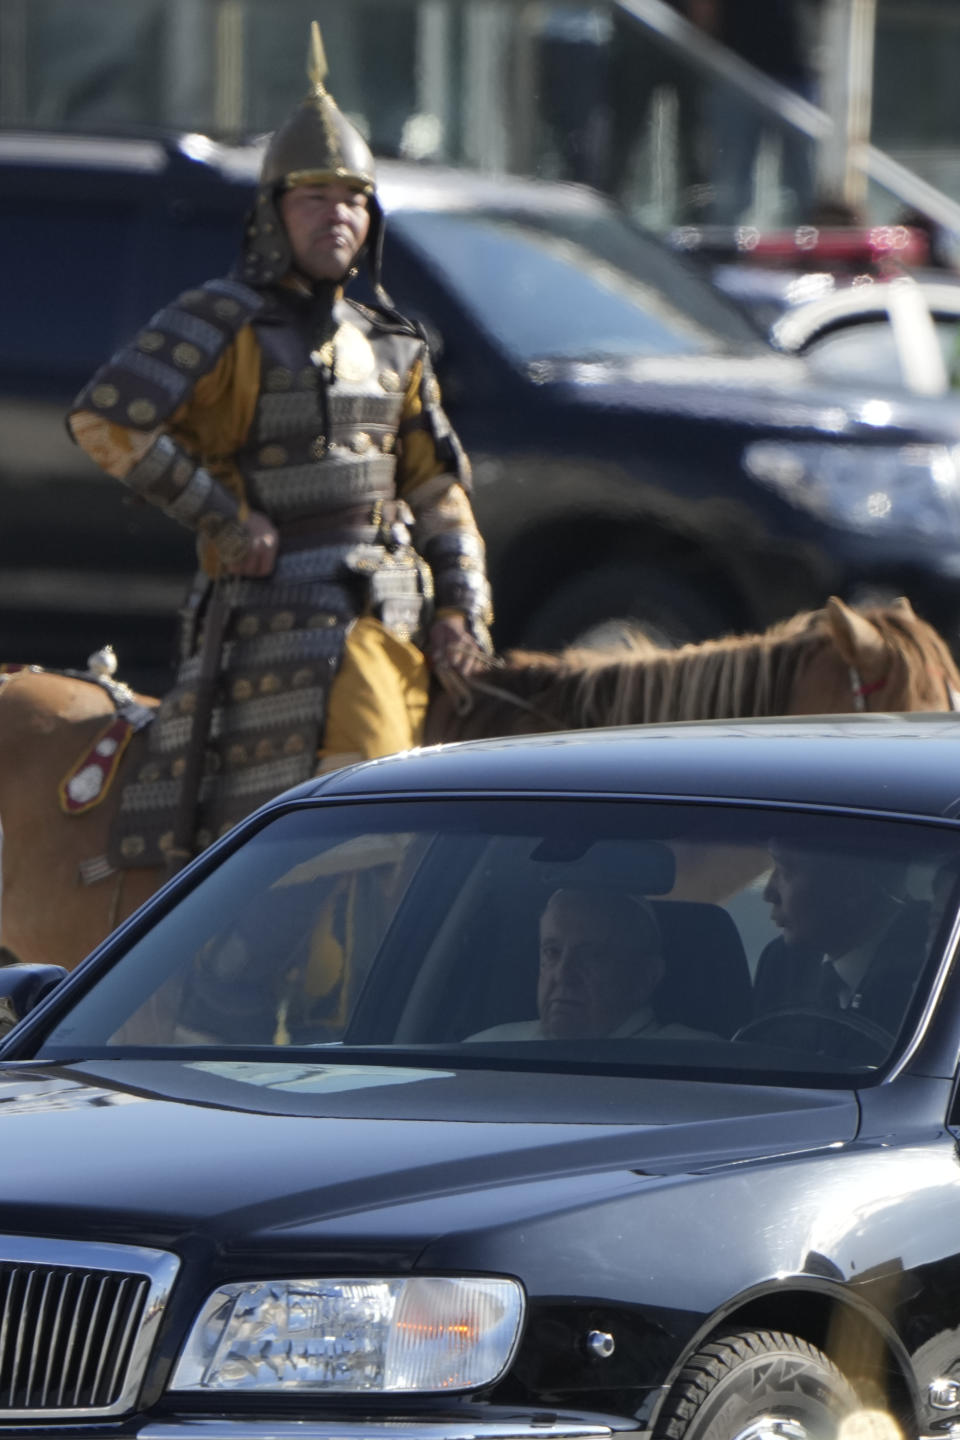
7	956
50	915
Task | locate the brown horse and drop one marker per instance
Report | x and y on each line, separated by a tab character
825	662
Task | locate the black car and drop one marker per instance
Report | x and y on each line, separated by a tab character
640	451
498	1091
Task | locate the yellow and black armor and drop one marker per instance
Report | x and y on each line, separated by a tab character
266	392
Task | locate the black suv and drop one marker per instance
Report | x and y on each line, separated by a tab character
640	453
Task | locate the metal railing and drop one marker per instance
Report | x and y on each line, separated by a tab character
850	157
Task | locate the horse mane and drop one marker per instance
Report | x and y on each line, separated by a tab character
725	679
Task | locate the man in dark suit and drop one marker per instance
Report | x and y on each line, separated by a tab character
852	942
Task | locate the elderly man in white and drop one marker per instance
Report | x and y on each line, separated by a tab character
600	962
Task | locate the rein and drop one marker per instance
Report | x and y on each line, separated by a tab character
460	692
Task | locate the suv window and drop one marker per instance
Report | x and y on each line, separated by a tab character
556	285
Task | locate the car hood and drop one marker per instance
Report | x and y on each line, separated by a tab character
764	390
180	1142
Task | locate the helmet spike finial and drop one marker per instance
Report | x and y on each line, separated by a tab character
317	60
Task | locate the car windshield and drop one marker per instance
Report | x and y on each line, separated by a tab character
578	286
756	946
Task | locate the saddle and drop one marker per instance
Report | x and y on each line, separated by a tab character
90	777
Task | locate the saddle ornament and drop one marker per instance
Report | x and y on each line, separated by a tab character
89	779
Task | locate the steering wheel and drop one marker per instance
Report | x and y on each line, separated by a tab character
871	1042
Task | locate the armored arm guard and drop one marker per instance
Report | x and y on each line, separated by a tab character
445	531
447	537
161	472
140	389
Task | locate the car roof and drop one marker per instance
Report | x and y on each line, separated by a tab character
406	186
861	302
900	764
401	184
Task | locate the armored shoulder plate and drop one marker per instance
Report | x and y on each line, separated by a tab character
147	380
434	418
383	318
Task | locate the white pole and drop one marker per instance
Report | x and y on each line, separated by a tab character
13	63
228	80
187	66
849	28
486	33
434	81
863	26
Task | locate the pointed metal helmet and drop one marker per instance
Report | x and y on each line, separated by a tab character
315	146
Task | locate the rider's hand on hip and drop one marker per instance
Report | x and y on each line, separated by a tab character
261	557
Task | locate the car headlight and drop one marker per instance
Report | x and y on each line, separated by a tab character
912	487
350	1336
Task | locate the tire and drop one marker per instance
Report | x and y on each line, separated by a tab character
757	1385
613	603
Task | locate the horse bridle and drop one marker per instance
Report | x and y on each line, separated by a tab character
860	690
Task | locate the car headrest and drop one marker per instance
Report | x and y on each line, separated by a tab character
707	979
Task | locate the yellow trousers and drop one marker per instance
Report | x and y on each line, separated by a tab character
378	700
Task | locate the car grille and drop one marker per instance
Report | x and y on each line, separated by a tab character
77	1323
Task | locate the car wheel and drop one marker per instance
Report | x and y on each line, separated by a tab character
758	1385
615	605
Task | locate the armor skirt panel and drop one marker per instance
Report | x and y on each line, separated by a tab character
281	652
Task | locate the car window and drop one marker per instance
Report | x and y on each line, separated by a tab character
948	335
865	351
556	933
572	286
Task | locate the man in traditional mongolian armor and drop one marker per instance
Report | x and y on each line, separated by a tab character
300	436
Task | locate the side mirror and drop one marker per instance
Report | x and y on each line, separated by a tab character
22	987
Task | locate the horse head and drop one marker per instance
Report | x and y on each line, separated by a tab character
882	657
